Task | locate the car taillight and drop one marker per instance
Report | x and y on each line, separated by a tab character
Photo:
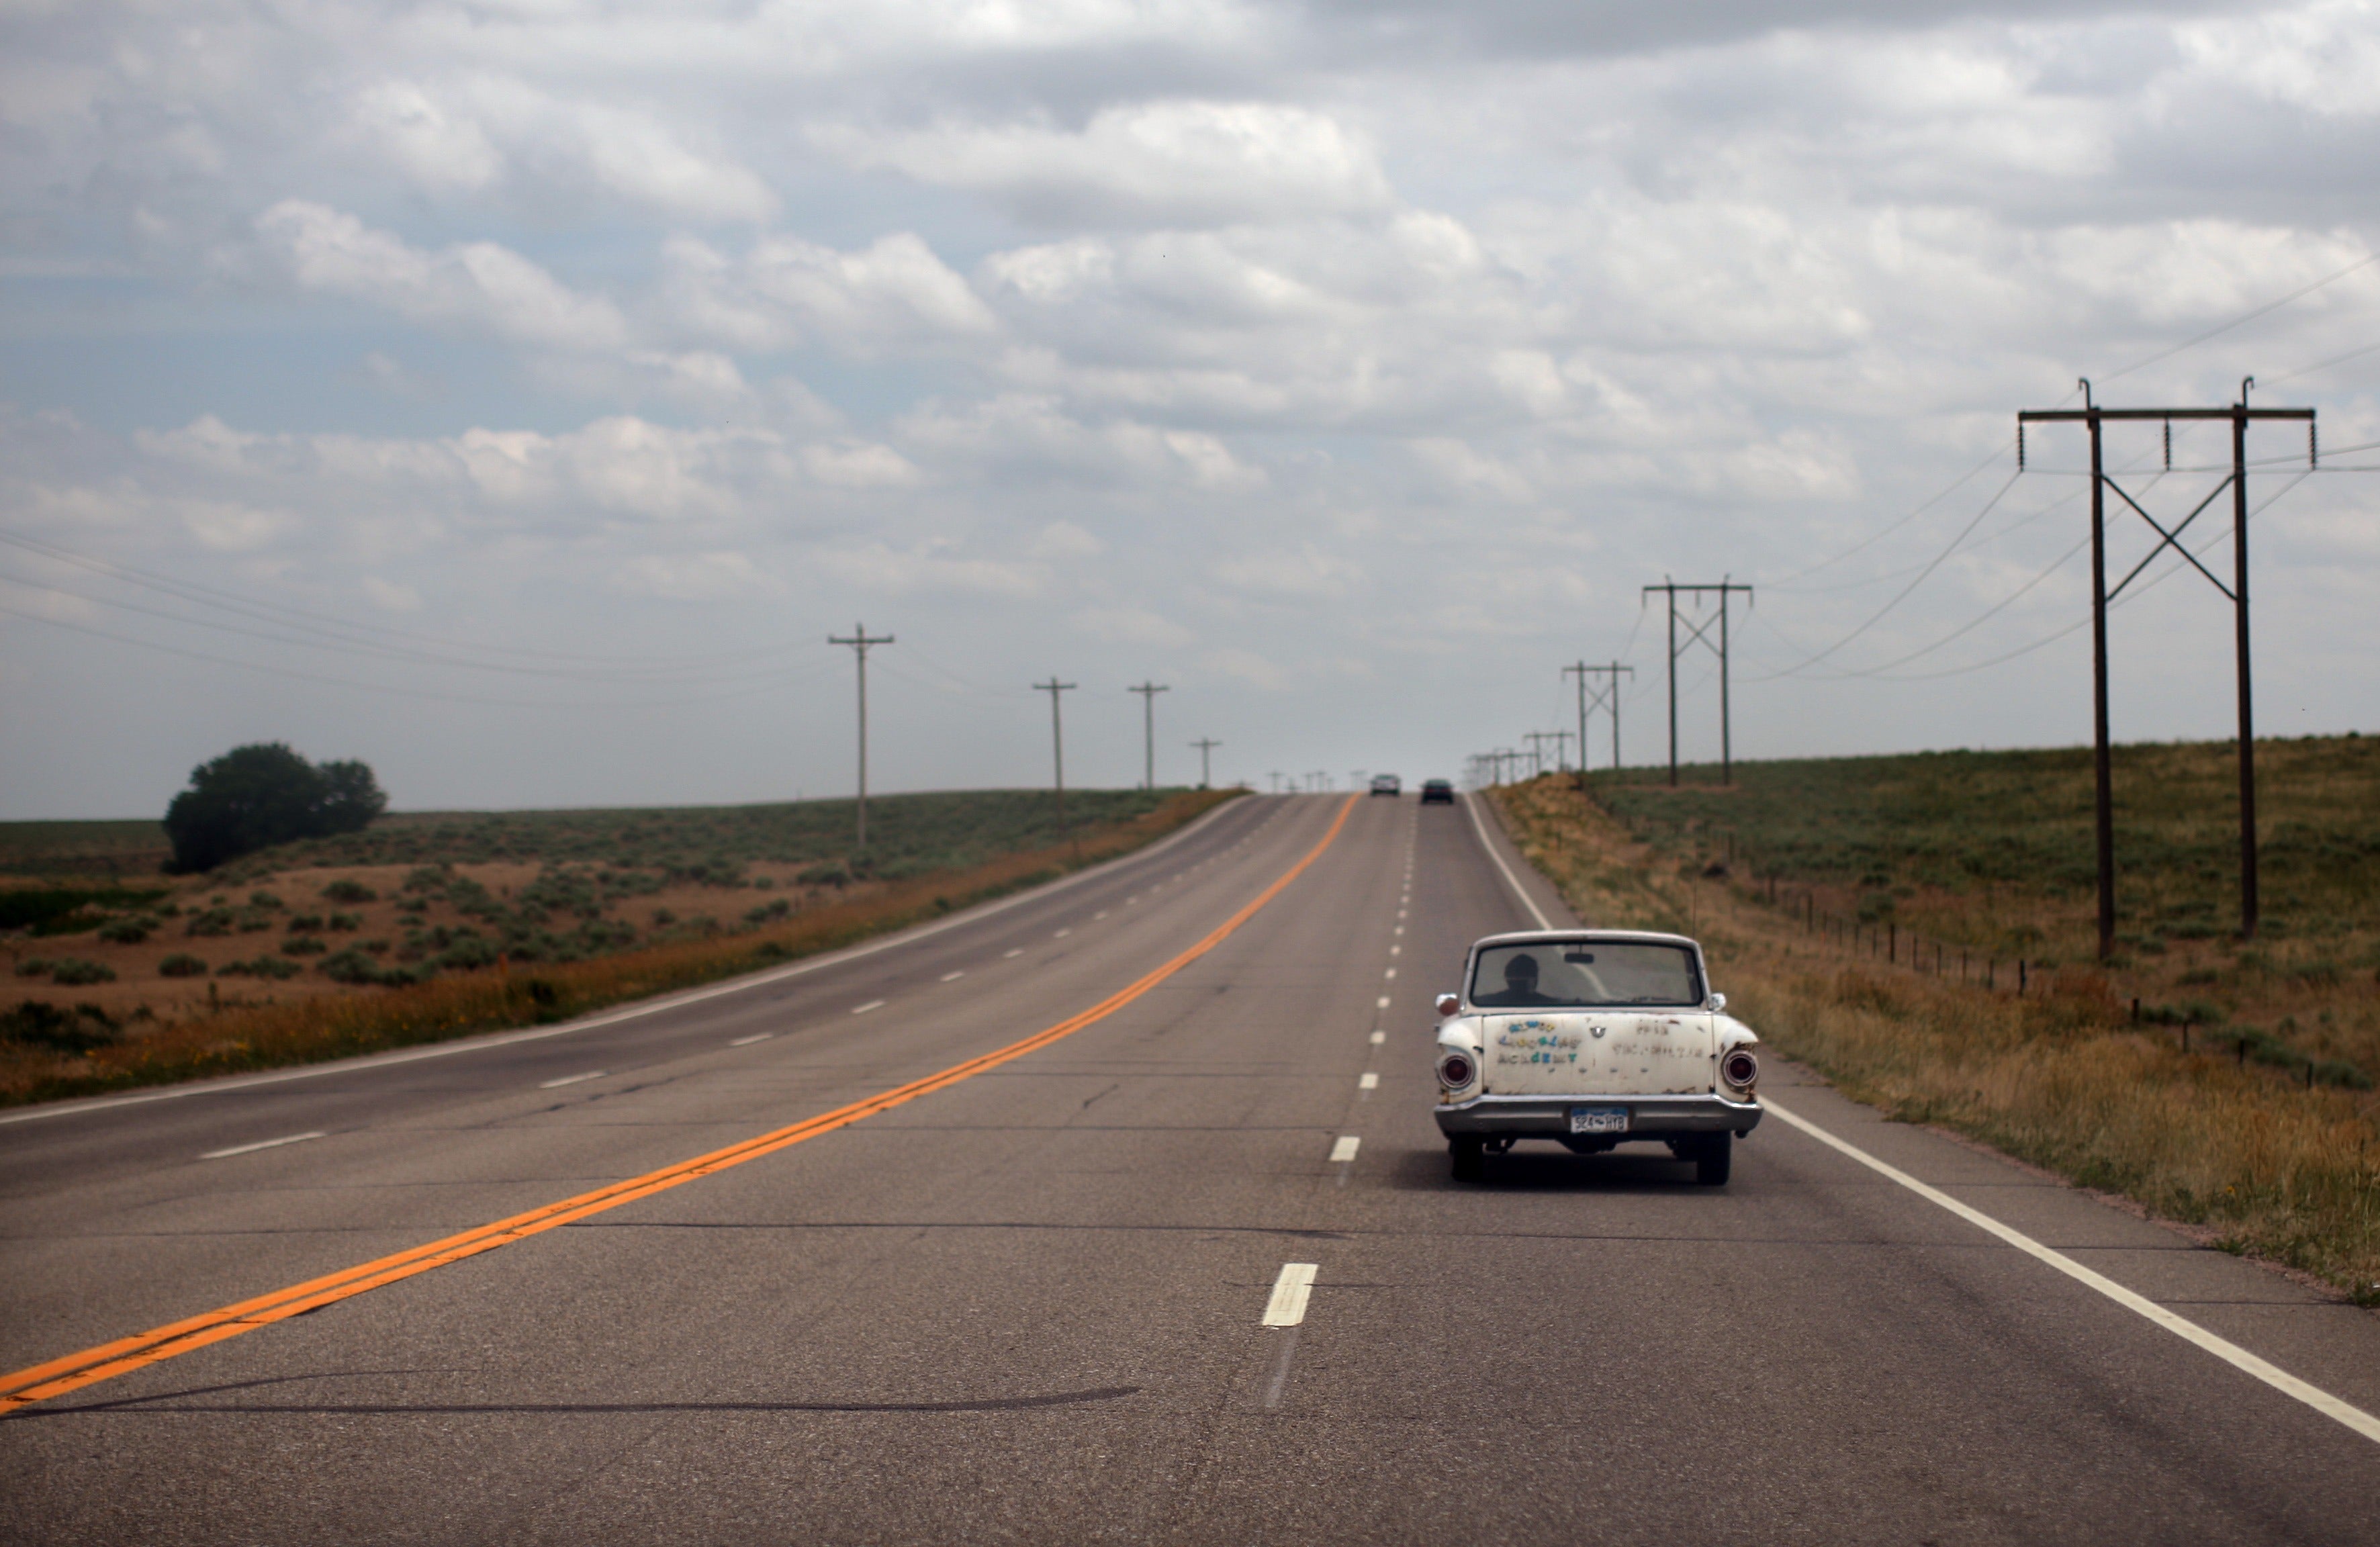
1454	1071
1740	1068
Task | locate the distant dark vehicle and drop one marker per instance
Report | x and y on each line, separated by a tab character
1436	791
1388	784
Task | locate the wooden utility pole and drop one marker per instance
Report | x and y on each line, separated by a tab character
2092	417
1057	747
860	643
1148	692
1700	633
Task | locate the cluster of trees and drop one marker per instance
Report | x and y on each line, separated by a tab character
253	797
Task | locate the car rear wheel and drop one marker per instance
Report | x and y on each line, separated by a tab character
1469	1156
1712	1158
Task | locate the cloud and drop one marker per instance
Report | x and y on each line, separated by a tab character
882	569
891	294
472	286
471	135
712	577
1133	625
1167	163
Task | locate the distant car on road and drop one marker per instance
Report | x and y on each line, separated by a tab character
1436	791
1388	784
1593	1038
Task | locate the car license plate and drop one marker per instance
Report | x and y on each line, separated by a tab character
1598	1119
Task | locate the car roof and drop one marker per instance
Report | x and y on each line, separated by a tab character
1533	936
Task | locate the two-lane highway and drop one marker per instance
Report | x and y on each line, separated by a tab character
1191	1269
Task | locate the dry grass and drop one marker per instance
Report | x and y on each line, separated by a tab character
235	1037
2059	1077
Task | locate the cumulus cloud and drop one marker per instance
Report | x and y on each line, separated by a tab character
1162	163
893	293
473	286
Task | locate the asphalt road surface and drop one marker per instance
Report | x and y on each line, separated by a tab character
1028	1305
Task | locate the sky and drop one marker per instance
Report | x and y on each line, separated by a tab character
518	396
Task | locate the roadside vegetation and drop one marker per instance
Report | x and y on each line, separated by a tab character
1857	909
446	925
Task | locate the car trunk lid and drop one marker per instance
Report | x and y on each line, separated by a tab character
1600	1053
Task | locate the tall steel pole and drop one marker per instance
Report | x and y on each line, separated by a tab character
860	643
1148	692
1057	747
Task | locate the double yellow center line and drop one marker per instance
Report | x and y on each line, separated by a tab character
108	1361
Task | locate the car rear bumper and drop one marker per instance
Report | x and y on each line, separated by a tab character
1548	1117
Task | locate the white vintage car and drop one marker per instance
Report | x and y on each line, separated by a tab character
1593	1038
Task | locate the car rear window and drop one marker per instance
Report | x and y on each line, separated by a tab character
1555	975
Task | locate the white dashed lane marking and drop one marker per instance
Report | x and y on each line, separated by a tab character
274	1144
1371	1082
749	1041
1345	1150
572	1079
1018	951
873	1004
954	977
1290	1292
1384	1001
1380	1037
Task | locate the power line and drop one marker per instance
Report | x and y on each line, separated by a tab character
381	687
352	634
1903	595
2365	262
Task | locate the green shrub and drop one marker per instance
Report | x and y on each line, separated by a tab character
74	972
265	900
352	966
349	891
471	951
125	932
305	924
303	945
33	967
346	922
39	1024
181	964
262	967
211	921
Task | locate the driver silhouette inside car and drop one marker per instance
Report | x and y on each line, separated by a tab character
1520	987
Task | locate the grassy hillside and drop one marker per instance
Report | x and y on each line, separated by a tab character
424	925
2238	1097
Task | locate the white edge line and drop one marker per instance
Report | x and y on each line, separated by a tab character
1290	1291
2223	1348
261	1145
613	1016
1471	800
